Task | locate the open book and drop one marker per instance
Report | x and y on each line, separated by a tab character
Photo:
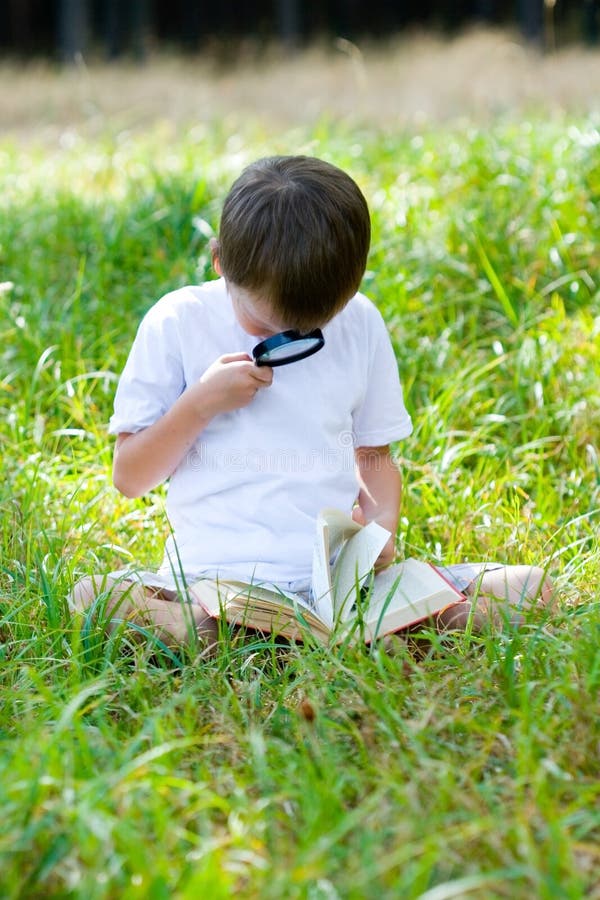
347	599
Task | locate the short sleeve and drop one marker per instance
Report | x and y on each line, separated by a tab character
153	377
382	416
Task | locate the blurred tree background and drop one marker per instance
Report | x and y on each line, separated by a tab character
113	28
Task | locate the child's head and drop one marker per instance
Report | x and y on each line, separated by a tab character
295	234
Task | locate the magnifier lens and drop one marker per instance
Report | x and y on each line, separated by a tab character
287	351
287	347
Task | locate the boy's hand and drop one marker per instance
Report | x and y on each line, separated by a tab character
231	382
386	557
358	515
379	495
145	458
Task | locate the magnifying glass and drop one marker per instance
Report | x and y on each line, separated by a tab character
287	347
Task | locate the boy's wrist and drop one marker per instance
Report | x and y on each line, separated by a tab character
199	404
386	518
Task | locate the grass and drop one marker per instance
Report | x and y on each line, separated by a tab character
405	81
466	769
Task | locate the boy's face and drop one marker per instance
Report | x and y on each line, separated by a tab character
253	314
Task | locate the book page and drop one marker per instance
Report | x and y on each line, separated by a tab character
262	606
354	564
321	573
404	594
340	525
213	593
332	530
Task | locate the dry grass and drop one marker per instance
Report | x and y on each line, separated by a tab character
419	79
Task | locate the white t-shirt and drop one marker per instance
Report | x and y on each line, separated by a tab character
244	500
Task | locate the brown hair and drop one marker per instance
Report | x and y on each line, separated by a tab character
296	231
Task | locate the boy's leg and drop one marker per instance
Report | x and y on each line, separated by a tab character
501	595
158	611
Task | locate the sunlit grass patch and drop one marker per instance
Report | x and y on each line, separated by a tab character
465	762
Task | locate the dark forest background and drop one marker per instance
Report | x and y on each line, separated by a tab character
111	28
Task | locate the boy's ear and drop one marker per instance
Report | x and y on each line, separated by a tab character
214	252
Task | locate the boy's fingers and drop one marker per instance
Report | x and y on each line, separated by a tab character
263	374
358	515
235	357
260	373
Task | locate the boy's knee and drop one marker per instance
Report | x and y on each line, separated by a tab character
515	585
86	590
82	595
534	584
501	595
545	587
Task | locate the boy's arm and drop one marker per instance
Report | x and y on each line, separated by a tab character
379	495
144	459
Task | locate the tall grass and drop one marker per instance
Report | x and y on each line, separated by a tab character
464	767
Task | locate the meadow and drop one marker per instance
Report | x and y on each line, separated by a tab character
456	766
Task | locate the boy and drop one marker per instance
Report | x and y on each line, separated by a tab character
252	453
